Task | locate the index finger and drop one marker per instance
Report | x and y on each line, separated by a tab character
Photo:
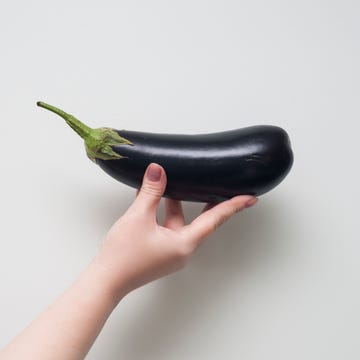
211	219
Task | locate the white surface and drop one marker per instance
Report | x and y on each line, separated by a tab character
279	281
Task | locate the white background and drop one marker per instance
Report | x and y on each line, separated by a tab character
279	281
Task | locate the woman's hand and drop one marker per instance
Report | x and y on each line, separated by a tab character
137	250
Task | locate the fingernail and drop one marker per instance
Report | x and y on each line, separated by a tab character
154	173
251	202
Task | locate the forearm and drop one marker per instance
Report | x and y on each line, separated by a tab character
136	250
67	329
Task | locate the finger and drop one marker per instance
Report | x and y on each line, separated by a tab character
152	188
209	206
210	220
137	193
174	216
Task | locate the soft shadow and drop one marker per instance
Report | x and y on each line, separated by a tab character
181	301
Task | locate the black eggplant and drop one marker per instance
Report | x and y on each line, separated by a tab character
204	168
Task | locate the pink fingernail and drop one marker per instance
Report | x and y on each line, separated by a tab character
251	202
154	173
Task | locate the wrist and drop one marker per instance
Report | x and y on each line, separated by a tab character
114	285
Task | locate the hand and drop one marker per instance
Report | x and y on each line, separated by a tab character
137	250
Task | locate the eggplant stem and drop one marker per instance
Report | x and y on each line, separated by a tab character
99	143
82	129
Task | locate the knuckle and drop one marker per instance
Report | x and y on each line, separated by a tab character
183	251
218	221
151	190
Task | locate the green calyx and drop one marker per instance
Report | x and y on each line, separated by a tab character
98	142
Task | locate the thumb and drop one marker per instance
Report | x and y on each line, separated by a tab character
152	188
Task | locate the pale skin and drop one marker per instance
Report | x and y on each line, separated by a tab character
135	251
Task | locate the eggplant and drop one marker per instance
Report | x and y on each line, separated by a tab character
201	168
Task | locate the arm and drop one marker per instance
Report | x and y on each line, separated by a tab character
135	251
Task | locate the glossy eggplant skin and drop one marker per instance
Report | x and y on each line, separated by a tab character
206	167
